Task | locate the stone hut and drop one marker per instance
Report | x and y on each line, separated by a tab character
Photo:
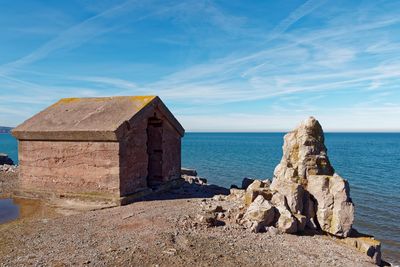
105	148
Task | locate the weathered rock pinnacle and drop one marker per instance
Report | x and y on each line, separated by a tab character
309	183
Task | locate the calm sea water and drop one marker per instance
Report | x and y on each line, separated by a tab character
369	161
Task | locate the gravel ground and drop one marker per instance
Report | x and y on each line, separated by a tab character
157	232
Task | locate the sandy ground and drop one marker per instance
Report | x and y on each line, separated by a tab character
157	231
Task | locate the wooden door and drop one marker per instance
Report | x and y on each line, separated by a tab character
154	151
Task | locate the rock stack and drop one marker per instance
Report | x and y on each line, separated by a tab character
304	194
309	183
305	191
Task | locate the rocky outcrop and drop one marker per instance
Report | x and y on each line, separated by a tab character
309	183
4	159
304	153
305	195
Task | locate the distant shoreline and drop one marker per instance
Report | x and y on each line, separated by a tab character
5	129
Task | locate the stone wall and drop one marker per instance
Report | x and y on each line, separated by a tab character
90	168
134	159
172	152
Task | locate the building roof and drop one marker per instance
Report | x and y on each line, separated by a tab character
95	118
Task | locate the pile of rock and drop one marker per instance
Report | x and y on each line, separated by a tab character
305	193
190	176
309	183
8	168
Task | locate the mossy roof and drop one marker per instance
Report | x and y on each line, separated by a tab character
94	118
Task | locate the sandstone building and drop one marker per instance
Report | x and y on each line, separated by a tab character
108	148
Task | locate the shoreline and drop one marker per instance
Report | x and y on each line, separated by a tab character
165	231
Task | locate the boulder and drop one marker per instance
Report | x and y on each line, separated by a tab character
4	159
260	211
292	191
255	189
335	212
278	199
307	180
286	222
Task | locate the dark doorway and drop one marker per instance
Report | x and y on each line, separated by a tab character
154	151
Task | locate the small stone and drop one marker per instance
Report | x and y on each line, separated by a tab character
219	197
170	251
207	219
220	215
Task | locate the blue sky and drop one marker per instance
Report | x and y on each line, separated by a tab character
218	65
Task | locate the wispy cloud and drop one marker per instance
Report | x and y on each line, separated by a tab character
341	61
73	36
85	31
306	8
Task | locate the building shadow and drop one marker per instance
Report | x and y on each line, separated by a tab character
184	190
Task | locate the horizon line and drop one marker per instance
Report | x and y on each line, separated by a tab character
279	131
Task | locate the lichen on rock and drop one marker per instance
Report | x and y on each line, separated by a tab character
309	183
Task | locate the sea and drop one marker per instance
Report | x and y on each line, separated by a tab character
369	161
